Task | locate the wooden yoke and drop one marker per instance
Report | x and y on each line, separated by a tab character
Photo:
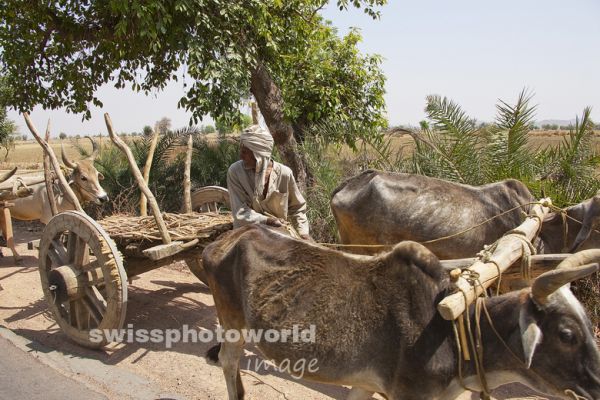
68	192
508	250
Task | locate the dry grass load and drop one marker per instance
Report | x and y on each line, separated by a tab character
185	227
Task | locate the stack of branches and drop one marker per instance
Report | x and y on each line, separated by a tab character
184	227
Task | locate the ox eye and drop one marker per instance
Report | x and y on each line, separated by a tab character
83	178
567	336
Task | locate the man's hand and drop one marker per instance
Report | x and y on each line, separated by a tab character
273	222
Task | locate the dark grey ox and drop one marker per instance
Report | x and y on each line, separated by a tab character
385	208
376	325
84	180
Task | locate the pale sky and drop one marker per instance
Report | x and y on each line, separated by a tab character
472	51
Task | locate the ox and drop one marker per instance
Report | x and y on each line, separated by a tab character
84	181
376	325
385	208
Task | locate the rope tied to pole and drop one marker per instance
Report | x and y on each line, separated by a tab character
474	342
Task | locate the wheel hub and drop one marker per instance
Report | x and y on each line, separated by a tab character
63	283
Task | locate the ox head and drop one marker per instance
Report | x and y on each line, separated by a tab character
85	179
591	215
557	337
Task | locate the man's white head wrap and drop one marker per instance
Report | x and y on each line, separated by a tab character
260	142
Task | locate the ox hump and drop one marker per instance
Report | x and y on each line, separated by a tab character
410	253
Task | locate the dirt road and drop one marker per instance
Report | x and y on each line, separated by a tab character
166	298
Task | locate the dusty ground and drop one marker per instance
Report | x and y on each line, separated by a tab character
164	298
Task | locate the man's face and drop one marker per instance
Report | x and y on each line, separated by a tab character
247	157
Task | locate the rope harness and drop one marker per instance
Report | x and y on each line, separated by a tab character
440	239
470	340
562	211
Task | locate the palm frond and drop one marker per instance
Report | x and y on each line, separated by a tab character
450	144
507	153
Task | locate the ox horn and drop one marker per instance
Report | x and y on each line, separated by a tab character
574	267
8	175
95	149
66	161
591	212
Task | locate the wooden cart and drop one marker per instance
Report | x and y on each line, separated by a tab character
85	264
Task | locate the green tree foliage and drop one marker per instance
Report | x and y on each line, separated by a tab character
208	129
224	125
332	81
58	54
62	136
8	129
147	131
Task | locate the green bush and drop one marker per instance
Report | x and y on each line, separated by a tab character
211	160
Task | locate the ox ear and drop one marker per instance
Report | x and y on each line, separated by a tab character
100	176
531	334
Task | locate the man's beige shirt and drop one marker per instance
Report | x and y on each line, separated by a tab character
283	199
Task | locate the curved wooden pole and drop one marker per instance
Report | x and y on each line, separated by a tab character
68	192
147	166
47	175
160	223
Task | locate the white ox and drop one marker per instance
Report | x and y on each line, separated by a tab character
84	180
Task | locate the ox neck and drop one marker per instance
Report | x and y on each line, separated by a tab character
501	345
61	196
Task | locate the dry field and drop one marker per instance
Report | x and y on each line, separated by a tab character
28	154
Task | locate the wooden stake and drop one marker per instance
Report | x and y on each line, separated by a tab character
47	177
68	192
147	167
187	184
6	224
509	250
160	223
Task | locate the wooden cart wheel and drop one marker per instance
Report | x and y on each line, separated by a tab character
210	198
82	277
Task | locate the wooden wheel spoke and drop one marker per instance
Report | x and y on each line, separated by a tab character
96	301
79	314
71	244
55	258
81	255
58	253
95	308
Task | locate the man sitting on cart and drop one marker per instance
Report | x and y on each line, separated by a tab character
263	191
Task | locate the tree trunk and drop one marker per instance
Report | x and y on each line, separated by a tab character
269	99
